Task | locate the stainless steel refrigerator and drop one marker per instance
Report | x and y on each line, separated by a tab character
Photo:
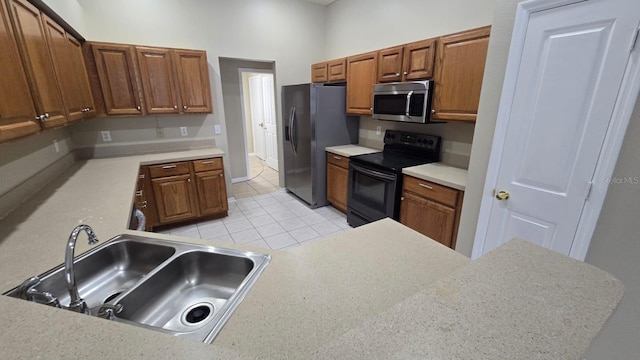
314	117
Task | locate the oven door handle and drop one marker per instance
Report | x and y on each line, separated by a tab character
375	174
406	110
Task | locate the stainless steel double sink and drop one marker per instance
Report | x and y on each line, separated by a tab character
178	288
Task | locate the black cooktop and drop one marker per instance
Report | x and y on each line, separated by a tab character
402	150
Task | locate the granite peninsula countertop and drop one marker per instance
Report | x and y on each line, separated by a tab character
378	291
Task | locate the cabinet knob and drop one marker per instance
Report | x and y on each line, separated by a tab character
433	112
402	198
405	73
184	107
189	180
175	106
138	108
46	115
398	74
220	175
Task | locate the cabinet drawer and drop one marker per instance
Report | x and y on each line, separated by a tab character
430	190
338	160
169	169
207	164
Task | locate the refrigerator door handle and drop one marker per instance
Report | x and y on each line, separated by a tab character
292	121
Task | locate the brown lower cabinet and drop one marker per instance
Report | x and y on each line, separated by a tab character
337	181
182	191
431	209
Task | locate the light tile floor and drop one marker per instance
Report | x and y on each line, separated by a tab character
263	180
274	221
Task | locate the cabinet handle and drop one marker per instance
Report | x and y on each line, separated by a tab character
141	176
425	186
207	162
337	157
139	193
169	167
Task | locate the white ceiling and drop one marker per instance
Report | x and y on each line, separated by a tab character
321	2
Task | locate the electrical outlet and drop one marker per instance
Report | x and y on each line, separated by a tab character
56	146
378	130
217	130
183	131
160	133
106	136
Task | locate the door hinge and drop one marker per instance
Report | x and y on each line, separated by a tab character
587	190
634	39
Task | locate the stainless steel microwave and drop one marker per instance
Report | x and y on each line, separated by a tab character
403	101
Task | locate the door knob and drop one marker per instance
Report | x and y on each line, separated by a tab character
502	195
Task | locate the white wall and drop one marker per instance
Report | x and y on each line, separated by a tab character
289	32
357	26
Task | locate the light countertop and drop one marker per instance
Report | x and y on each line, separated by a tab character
350	150
439	173
381	290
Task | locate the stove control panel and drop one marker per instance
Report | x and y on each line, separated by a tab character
412	140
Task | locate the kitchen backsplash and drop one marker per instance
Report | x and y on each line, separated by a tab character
456	137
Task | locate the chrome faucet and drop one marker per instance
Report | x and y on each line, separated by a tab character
77	304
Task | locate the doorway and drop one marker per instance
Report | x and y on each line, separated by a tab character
259	116
560	125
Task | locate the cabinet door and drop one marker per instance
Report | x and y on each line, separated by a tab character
428	218
156	73
38	63
337	70
390	64
212	192
61	55
458	75
17	110
174	198
117	74
418	60
193	81
319	73
337	183
362	71
81	77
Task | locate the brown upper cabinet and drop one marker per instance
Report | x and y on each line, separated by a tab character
409	62
458	75
337	70
118	82
68	62
192	75
362	71
319	73
17	110
156	73
38	63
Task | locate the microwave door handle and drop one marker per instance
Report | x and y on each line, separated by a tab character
408	104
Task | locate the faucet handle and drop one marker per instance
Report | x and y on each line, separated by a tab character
108	311
26	286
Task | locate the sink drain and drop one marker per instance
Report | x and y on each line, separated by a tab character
197	313
112	296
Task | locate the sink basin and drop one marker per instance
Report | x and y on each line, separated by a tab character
183	289
189	295
105	272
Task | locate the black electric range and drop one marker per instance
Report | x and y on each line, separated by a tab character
375	180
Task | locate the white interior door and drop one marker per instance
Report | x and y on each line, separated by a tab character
271	133
257	116
571	68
